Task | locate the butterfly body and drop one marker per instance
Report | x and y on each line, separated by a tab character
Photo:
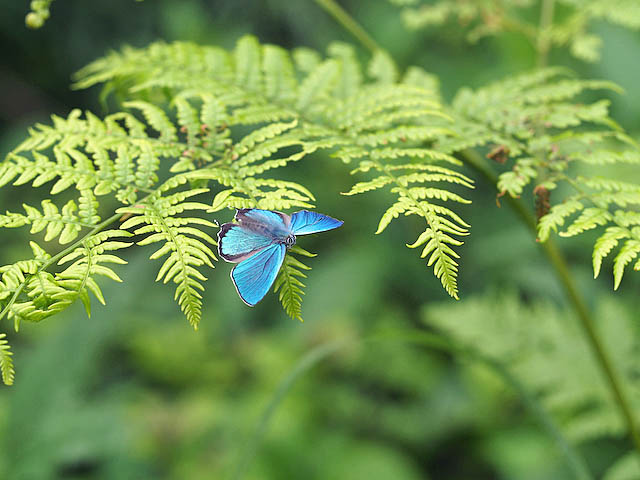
258	243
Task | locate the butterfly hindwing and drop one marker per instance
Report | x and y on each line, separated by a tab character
237	243
254	276
305	222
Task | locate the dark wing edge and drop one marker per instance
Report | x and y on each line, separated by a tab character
224	229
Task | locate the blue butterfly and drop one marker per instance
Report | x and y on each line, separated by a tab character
258	243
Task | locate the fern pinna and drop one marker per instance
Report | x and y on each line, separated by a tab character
230	119
547	140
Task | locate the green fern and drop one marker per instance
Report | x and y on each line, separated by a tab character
185	245
288	282
65	225
318	105
113	168
494	17
6	362
553	139
537	344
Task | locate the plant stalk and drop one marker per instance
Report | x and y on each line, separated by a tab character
348	22
543	42
559	264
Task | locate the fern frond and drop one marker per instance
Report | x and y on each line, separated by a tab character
514	181
6	360
64	225
556	217
627	254
185	246
551	137
536	344
288	282
310	104
441	222
589	218
493	17
79	278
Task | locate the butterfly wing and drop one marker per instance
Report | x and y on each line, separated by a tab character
237	243
254	276
305	222
274	220
256	229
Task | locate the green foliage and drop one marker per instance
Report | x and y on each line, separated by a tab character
6	362
539	345
442	222
185	246
39	13
289	284
115	167
572	29
329	105
238	116
548	136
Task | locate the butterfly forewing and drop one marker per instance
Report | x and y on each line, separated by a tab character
305	222
237	243
275	221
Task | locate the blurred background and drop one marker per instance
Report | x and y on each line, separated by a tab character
134	392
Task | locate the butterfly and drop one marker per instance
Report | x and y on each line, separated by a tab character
258	243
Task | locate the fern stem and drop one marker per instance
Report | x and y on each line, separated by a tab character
349	23
429	340
543	43
559	264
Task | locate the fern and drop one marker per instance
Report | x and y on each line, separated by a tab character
537	344
494	17
64	225
241	115
6	362
553	140
88	262
322	105
185	245
114	167
288	282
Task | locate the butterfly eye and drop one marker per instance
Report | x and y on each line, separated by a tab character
290	241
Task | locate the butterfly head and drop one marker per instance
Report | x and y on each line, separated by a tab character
290	241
